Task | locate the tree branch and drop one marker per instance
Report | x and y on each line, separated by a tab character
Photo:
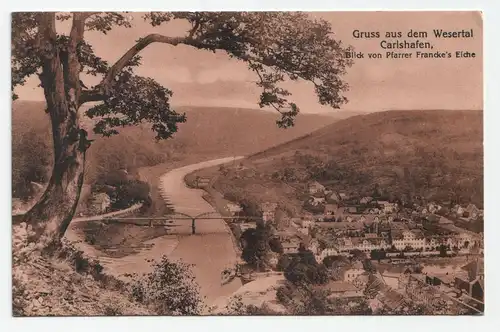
78	27
195	28
47	27
141	44
91	96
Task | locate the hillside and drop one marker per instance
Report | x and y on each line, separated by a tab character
405	153
208	132
63	285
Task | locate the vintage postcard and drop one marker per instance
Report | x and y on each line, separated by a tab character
247	163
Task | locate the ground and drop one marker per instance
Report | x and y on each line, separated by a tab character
48	286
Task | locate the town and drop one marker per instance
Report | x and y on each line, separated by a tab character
391	243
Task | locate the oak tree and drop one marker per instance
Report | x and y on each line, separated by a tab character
276	46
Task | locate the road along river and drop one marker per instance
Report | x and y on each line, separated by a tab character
209	251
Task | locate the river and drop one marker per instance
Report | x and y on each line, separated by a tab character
209	251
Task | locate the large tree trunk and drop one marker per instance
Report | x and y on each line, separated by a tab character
51	215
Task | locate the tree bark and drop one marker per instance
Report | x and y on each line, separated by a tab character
52	214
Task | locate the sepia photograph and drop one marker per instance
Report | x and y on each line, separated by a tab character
240	163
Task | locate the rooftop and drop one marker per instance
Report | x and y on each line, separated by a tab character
339	286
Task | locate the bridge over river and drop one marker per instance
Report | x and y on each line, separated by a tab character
210	250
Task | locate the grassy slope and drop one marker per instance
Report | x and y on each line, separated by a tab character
51	286
416	152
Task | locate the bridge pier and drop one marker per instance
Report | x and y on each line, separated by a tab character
193	228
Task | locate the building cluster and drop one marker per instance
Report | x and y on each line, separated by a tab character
341	225
372	225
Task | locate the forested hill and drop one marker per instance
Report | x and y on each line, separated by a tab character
210	132
435	154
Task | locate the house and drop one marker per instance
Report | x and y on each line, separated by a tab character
315	201
354	272
464	240
345	244
325	253
304	230
389	207
458	210
352	209
306	222
316	187
365	200
319	217
431	243
331	209
472	210
291	246
333	197
381	204
473	282
286	234
247	225
341	289
443	220
100	203
233	208
408	238
343	196
434	218
433	207
268	211
313	246
376	288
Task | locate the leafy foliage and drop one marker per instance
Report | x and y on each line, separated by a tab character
277	46
130	193
238	308
257	245
307	300
30	161
134	100
123	191
303	269
170	289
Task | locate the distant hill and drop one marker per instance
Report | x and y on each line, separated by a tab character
208	132
435	154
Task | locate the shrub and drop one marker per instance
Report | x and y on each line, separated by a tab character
238	308
18	298
31	160
304	269
110	310
112	178
170	289
130	193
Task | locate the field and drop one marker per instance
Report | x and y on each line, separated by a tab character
434	154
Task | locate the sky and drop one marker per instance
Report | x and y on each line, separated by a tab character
203	78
